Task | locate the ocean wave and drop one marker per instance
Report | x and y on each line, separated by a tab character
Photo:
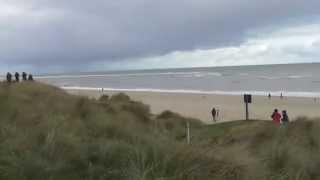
269	77
284	77
199	74
297	76
184	91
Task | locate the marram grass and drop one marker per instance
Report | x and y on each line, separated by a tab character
47	134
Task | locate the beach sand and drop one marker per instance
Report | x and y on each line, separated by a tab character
230	107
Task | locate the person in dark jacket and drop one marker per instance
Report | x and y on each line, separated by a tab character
17	76
285	117
30	77
9	77
24	76
214	114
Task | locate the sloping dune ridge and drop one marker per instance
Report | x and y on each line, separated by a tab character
48	134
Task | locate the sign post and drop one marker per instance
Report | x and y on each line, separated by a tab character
247	100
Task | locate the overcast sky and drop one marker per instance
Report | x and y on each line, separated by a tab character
88	35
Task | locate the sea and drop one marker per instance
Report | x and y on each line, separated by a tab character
300	80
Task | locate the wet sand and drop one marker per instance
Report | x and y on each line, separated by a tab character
230	107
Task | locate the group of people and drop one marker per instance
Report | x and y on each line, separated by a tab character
281	96
25	77
280	119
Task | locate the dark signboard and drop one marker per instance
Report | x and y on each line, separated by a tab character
248	98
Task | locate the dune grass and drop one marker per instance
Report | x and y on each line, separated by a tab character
47	134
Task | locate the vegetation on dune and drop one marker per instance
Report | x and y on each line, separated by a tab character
46	133
265	150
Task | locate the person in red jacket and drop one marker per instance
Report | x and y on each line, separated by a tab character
276	116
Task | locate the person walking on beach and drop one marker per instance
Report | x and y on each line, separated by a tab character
276	116
281	96
214	114
9	77
285	118
269	96
17	76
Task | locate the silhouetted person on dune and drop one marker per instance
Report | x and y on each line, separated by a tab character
24	76
9	77
17	76
30	77
285	118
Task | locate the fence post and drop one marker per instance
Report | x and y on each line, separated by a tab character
188	132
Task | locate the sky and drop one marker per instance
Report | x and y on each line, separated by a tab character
53	36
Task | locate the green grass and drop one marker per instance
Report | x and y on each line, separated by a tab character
47	134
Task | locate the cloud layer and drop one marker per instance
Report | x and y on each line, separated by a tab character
73	35
288	45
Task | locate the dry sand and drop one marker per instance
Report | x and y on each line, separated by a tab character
230	107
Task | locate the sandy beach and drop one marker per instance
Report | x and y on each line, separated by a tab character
230	107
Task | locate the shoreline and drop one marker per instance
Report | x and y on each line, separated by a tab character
199	106
200	92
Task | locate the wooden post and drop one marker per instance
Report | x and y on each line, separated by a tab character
247	100
188	132
247	111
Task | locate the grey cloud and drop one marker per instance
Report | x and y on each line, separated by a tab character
67	33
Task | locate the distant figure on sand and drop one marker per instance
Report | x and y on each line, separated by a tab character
276	116
214	114
281	96
17	76
24	76
9	77
269	96
285	117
